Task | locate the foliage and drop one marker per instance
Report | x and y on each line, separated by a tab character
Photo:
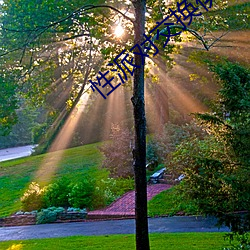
38	131
103	193
22	132
93	192
243	242
205	175
166	141
118	154
73	209
81	194
48	215
33	197
234	17
8	105
57	193
217	168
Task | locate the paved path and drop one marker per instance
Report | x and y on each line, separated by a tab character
156	225
125	206
14	153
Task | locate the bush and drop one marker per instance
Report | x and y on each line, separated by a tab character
33	197
103	194
81	194
48	215
57	193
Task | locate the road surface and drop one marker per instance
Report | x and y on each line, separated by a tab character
17	152
156	225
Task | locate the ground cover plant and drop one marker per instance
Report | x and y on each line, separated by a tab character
171	241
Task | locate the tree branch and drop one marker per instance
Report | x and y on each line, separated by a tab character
42	29
194	33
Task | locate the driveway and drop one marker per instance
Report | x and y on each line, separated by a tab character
156	225
14	153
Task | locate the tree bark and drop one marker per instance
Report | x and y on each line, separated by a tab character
139	151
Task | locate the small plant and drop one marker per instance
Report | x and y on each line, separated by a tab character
33	197
48	215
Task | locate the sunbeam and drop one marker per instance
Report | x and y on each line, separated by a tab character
51	161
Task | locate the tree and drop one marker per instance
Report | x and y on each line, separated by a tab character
70	25
8	105
139	151
118	156
217	168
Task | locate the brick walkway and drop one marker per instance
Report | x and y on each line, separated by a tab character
124	207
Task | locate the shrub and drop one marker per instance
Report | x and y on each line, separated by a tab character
57	193
103	194
48	215
81	194
33	197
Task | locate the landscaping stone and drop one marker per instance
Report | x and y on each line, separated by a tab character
19	220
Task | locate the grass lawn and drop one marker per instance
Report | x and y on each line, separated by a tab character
171	241
169	202
16	175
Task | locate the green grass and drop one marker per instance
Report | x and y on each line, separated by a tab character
16	175
171	241
169	203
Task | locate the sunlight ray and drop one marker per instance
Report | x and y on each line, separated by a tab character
52	159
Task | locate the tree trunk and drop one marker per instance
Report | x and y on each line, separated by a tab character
139	151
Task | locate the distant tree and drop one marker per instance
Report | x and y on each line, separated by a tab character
8	105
